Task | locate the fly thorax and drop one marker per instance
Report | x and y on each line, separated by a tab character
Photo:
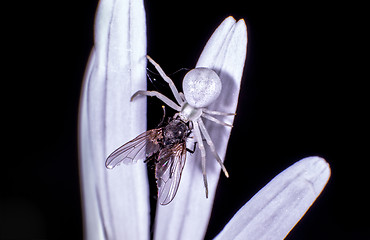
189	113
174	132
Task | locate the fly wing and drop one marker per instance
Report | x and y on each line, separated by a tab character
139	148
168	172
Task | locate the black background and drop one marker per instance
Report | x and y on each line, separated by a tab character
302	94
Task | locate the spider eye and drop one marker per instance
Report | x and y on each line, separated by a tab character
201	87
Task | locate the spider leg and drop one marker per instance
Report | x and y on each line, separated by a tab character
212	146
182	96
168	80
198	137
162	97
213	119
211	112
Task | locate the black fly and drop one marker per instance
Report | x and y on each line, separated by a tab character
166	146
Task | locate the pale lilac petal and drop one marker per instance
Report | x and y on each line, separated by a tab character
189	213
277	207
115	202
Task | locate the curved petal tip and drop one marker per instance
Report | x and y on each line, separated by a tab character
280	205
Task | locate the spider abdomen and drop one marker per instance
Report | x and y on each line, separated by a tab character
201	87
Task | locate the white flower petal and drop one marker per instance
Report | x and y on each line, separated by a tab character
115	202
189	213
277	207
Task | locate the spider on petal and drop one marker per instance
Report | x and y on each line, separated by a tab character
167	145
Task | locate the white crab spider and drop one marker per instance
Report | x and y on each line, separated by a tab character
201	87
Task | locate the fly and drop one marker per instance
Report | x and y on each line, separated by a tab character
167	147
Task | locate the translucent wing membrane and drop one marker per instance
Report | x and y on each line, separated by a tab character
168	172
140	147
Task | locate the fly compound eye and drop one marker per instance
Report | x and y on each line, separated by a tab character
201	87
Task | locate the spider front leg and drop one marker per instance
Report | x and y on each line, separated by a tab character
212	146
168	80
198	137
213	119
211	112
208	114
160	96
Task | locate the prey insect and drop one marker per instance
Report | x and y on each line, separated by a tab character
166	146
